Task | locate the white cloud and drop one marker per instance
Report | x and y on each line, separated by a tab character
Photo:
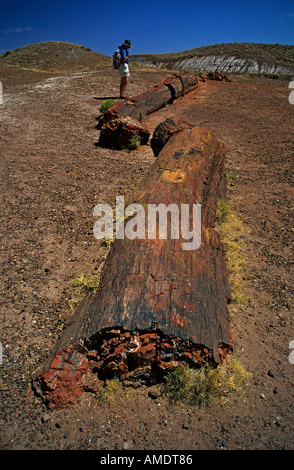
18	29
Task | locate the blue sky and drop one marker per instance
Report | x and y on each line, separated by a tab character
152	26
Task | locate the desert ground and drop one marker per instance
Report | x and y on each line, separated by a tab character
53	174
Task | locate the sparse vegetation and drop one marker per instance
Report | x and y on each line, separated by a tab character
106	105
82	285
224	209
111	389
206	385
108	392
86	283
108	242
231	230
135	142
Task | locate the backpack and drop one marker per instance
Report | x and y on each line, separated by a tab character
116	59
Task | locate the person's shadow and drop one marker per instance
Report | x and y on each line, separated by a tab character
106	97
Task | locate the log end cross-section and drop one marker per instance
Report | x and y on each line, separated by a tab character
115	127
119	132
165	130
158	305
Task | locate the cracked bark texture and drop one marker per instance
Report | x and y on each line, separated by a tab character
157	305
123	119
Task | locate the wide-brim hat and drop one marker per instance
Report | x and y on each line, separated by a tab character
127	43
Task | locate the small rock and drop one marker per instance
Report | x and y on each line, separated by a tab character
125	445
45	418
270	373
225	427
275	390
185	426
221	443
154	393
262	396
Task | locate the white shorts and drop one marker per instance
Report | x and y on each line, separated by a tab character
124	70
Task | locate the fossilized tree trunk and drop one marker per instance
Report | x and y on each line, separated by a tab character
153	99
158	305
165	130
139	107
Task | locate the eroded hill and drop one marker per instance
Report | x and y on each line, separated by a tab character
54	56
227	58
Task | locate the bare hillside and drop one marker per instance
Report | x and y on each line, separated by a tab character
55	56
259	59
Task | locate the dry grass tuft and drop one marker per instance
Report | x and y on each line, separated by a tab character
206	385
88	283
232	231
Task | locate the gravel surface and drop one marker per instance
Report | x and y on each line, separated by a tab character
52	176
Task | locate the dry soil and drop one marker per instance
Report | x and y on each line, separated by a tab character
52	176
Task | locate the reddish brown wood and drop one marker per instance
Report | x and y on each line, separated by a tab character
218	76
118	132
165	130
158	305
151	100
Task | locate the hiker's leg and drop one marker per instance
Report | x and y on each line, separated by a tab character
123	84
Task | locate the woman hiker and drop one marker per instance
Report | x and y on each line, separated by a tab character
124	67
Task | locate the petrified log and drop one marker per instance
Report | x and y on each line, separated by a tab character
151	100
218	76
165	130
118	132
189	82
158	305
